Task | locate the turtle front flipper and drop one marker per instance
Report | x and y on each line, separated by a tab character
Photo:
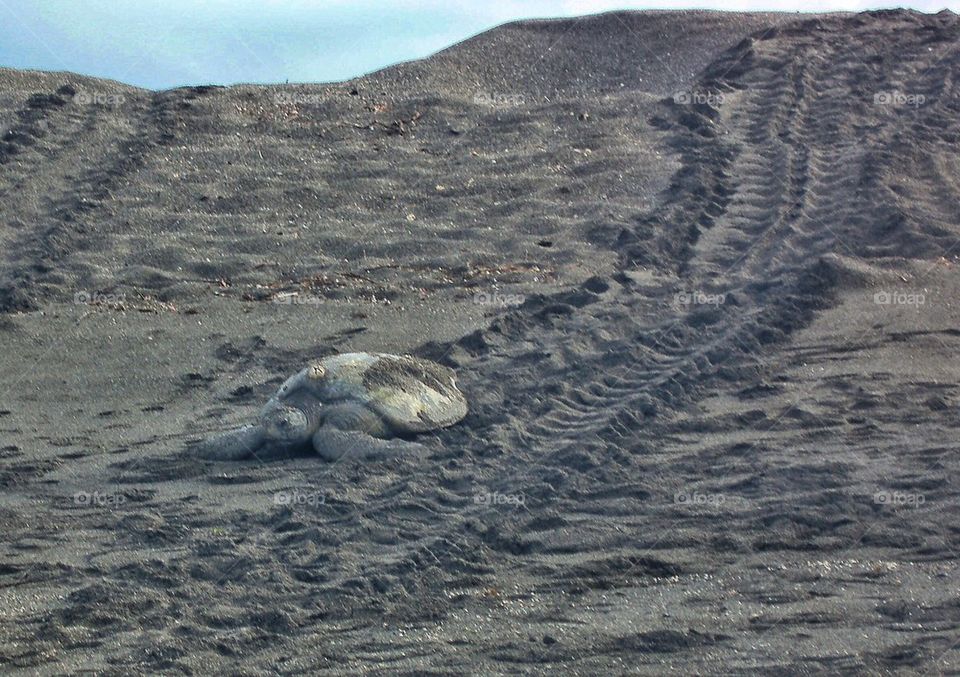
233	445
332	444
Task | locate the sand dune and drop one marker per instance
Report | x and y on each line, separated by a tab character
697	275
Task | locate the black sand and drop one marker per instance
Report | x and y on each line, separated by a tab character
697	274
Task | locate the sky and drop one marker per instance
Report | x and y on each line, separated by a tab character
167	43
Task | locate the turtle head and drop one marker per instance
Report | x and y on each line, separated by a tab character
293	414
287	423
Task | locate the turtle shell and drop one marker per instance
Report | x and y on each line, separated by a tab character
411	394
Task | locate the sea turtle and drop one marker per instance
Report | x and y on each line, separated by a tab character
354	403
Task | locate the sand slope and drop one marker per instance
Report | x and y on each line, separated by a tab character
695	271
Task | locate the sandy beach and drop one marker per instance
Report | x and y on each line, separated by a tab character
697	274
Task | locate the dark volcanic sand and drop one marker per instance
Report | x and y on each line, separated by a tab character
649	481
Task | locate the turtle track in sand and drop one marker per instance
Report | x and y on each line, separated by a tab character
47	127
771	198
64	154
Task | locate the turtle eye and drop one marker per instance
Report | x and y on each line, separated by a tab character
316	372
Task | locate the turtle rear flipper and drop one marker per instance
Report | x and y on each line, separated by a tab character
233	445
